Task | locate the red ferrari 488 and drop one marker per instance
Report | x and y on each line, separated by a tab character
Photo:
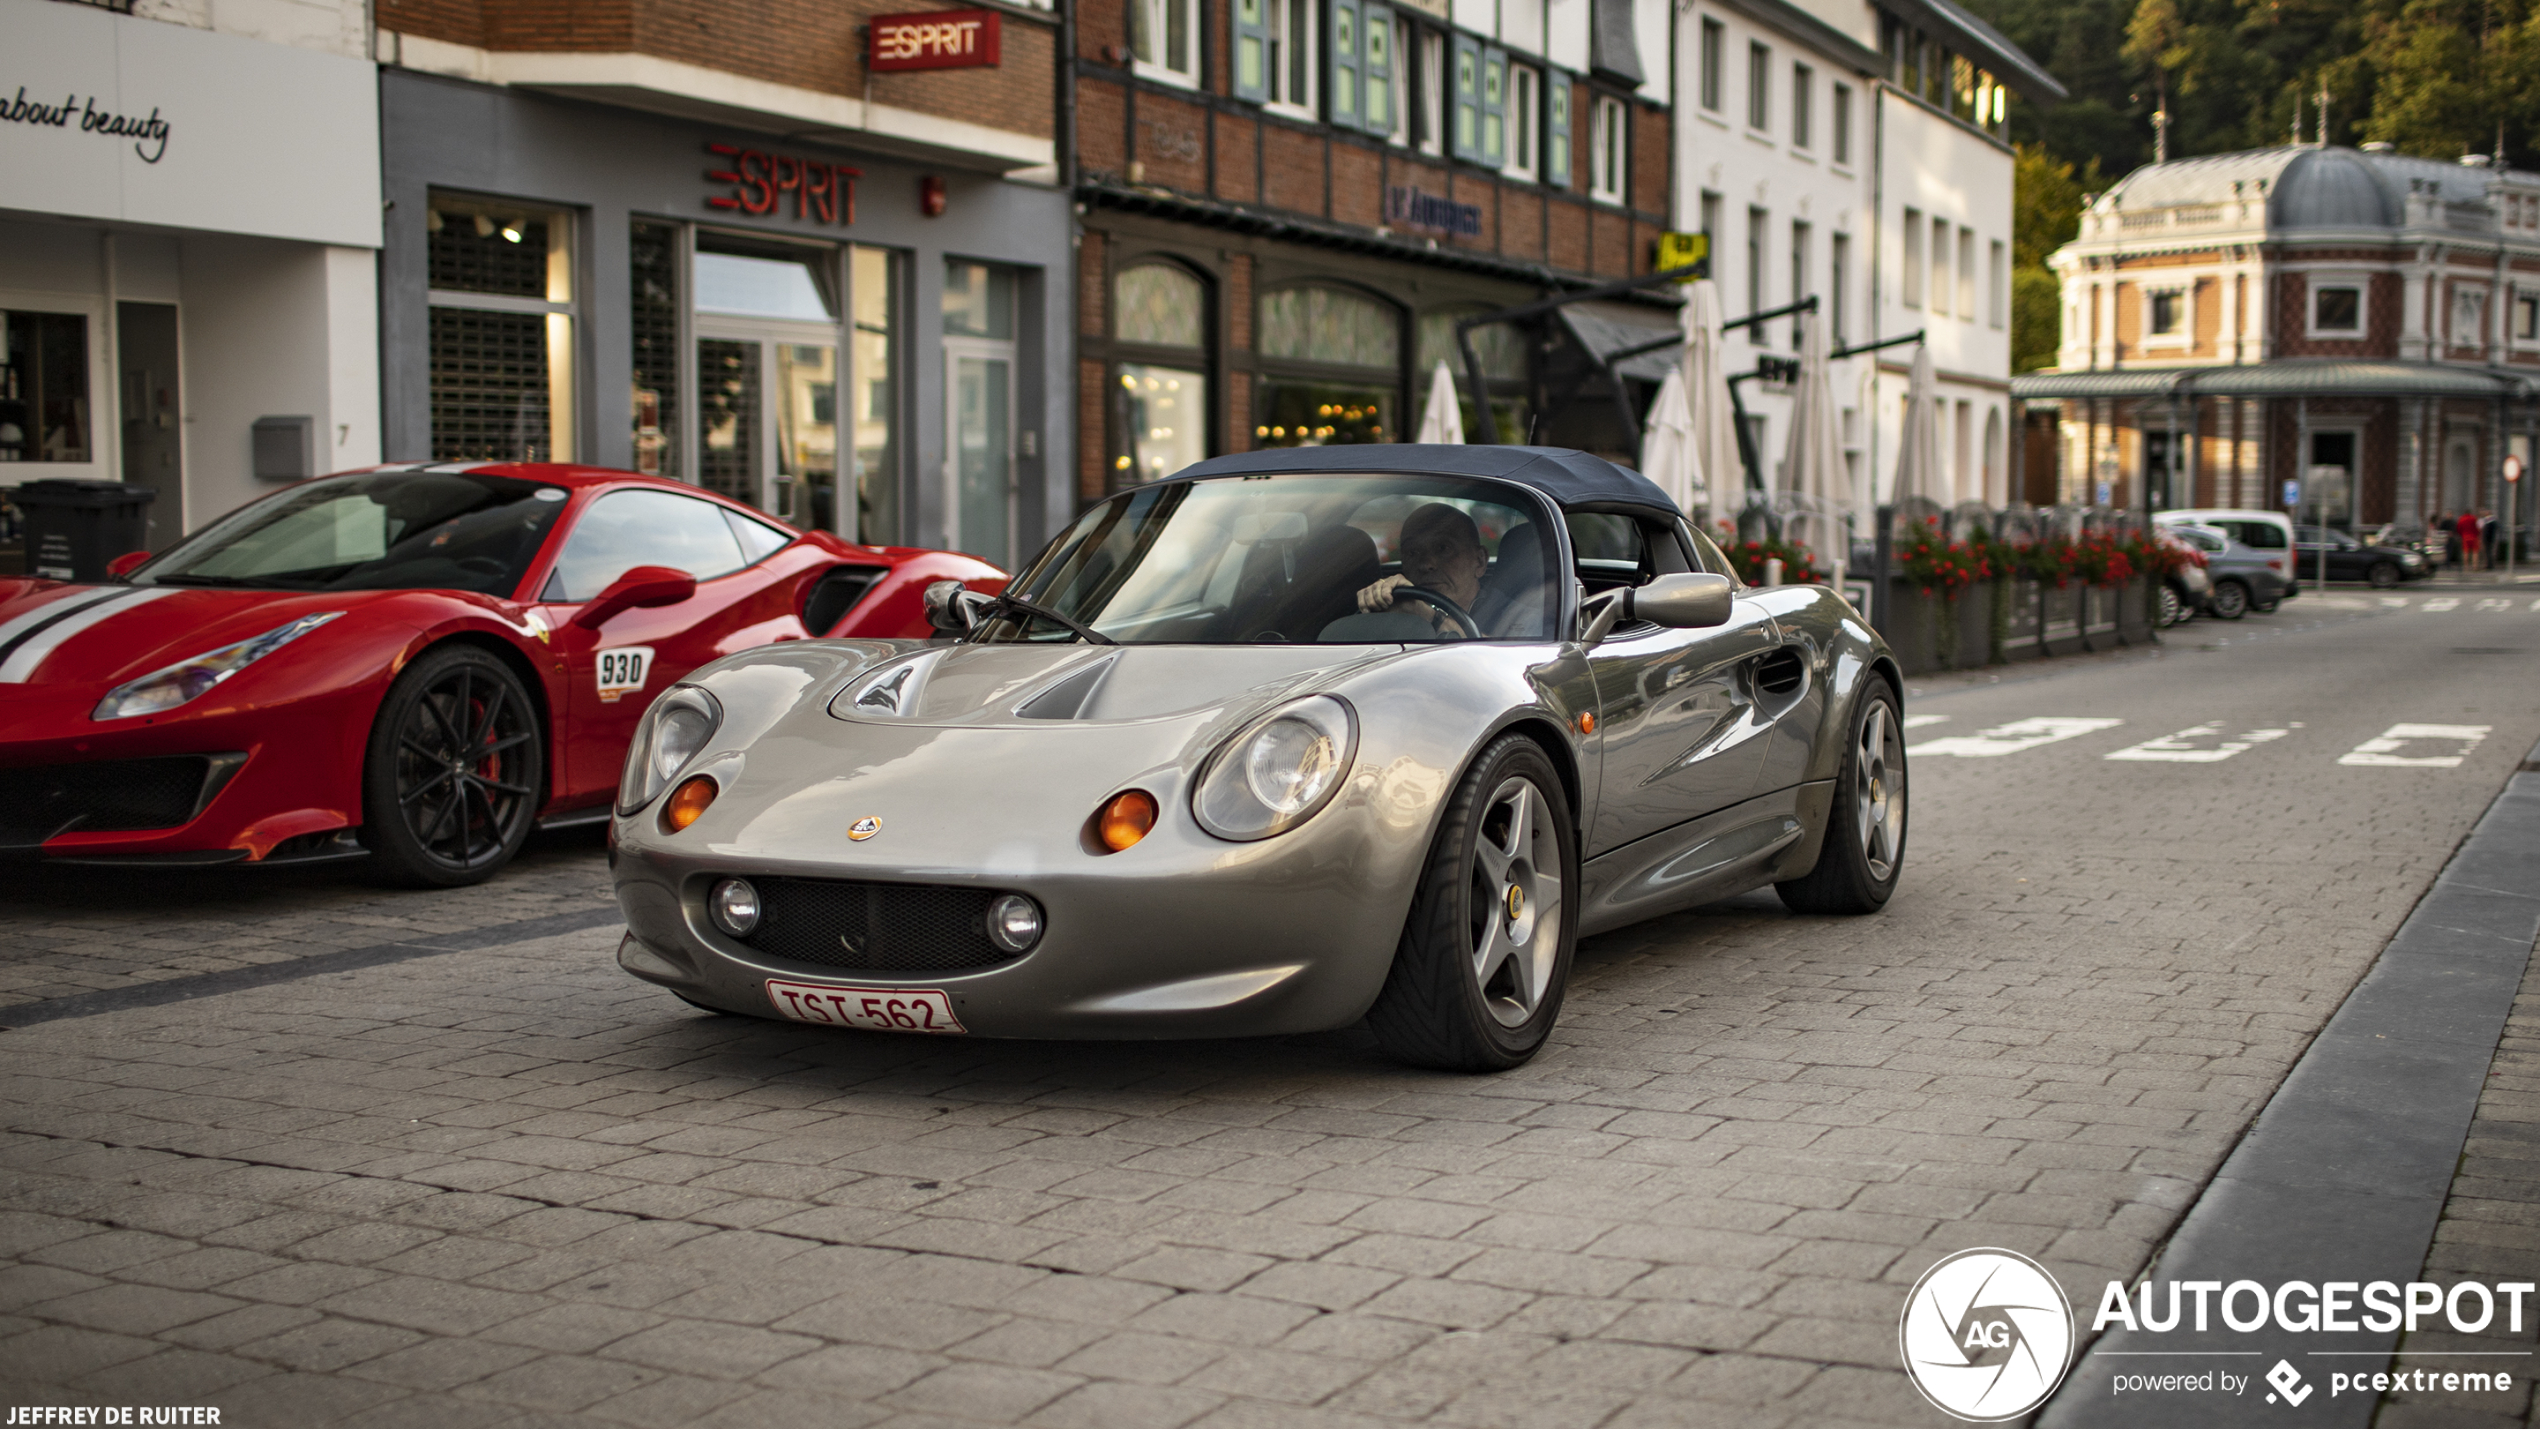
416	664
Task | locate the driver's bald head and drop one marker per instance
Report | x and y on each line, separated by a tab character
1440	528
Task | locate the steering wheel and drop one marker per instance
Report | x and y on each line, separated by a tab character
1472	627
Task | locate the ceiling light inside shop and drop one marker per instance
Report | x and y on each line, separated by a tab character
484	226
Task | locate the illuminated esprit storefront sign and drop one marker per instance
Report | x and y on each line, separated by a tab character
936	39
760	183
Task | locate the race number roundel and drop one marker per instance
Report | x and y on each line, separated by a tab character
1987	1335
622	671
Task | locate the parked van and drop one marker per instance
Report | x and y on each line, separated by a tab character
2267	534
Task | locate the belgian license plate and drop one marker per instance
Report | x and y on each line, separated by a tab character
873	1009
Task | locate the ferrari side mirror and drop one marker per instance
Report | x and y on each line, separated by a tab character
954	608
641	588
1693	600
127	563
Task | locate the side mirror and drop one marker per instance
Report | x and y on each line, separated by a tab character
954	608
1688	601
641	588
127	563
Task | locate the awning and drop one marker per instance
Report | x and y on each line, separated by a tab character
2285	379
1602	328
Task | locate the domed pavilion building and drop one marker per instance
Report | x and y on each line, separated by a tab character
2352	335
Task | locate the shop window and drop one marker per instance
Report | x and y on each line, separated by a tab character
1163	413
1164	37
978	300
1609	151
766	327
44	403
981	501
502	331
1332	363
1502	352
2337	310
875	276
653	254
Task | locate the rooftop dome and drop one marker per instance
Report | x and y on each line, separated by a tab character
2334	188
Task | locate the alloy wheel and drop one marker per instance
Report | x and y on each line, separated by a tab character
458	780
1515	914
1878	791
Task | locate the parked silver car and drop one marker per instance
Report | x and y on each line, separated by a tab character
2244	579
1288	740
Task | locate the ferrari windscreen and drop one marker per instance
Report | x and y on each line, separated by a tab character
1300	559
385	530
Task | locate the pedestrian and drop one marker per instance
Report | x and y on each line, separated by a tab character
2467	529
2488	535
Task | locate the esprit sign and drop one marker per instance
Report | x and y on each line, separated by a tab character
937	39
760	183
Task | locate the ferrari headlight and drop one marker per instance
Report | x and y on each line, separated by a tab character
191	679
671	733
1279	772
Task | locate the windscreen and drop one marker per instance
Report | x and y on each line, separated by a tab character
1299	559
388	530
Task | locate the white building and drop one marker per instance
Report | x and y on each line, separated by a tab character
189	220
1855	150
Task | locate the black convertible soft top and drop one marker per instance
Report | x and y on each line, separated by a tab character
1574	480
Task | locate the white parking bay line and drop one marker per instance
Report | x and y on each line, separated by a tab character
2442	602
2394	602
2495	605
2188	746
2382	751
1924	721
2010	738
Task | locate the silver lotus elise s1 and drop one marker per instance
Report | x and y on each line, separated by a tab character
1285	741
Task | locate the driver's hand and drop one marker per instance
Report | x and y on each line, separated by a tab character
1379	596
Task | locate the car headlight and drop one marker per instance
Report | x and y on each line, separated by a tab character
1279	772
192	679
670	734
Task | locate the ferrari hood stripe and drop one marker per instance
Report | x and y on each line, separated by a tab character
22	650
52	610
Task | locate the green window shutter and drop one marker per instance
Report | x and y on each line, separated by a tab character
1556	128
1464	93
1252	50
1494	107
1376	66
1341	42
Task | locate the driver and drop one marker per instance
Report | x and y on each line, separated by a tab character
1442	551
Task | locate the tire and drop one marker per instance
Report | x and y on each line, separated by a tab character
1864	850
455	772
2231	600
1475	986
2173	610
2384	575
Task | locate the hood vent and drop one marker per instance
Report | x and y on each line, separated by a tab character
1068	698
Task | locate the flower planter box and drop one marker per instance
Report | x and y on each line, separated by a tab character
2042	621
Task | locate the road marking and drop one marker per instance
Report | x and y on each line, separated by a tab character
1924	721
2535	605
2011	738
2381	751
2495	605
2186	747
2442	602
2394	602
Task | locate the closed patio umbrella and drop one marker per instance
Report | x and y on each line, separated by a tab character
1666	449
1716	467
1818	484
1442	420
1918	468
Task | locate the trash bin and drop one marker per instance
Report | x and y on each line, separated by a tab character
73	528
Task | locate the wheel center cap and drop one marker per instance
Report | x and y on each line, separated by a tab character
1516	903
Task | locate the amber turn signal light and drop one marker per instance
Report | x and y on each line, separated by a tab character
1587	721
1126	819
687	802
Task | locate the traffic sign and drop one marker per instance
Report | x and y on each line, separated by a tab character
2513	468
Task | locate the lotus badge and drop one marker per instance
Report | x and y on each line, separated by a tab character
865	828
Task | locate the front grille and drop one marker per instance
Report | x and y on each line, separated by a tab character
883	927
37	803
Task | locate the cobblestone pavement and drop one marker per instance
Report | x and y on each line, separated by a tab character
508	1185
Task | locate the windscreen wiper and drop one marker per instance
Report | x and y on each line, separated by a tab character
1018	603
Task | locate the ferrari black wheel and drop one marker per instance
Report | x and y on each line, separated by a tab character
1477	979
455	774
1865	830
